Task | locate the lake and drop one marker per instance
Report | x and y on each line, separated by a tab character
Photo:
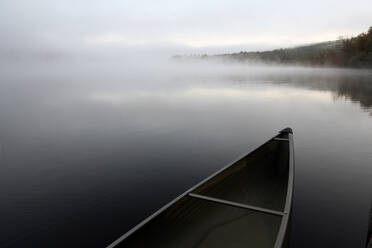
88	150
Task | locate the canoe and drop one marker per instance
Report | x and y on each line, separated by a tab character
245	204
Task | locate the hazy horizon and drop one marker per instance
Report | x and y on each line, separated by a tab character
167	28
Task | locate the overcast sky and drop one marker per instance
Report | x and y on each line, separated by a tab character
204	25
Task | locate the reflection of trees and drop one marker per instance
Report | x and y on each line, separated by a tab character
356	88
355	85
357	92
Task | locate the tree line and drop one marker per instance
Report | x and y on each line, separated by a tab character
345	52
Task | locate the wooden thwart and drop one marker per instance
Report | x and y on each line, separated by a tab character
239	205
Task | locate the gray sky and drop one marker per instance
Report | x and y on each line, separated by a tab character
184	25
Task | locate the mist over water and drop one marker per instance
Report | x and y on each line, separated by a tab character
89	149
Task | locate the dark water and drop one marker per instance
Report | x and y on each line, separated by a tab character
89	150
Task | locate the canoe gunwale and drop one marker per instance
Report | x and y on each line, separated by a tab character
285	215
288	204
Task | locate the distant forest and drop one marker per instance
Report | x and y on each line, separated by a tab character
345	52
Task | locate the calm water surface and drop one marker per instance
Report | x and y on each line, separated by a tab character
87	150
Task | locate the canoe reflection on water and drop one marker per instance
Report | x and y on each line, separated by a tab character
246	204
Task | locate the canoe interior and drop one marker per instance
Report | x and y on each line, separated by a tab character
259	179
